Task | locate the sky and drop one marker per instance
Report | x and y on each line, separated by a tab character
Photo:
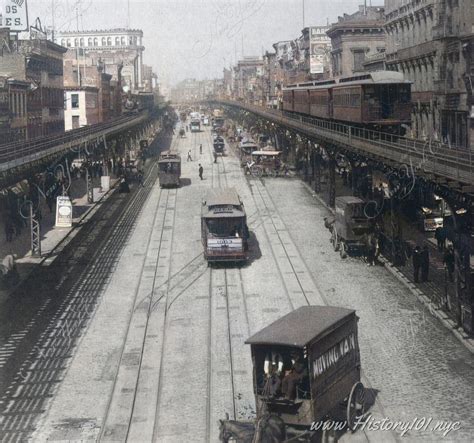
195	38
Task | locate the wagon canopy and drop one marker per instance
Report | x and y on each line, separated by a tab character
302	326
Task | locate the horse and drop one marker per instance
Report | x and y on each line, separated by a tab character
269	429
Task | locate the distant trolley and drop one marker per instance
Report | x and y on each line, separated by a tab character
195	125
224	226
169	170
219	145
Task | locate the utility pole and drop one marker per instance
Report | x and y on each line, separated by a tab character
128	14
303	14
52	20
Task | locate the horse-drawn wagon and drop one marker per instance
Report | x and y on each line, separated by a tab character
351	229
305	365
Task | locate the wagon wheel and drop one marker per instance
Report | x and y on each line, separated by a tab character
256	172
335	240
343	250
355	404
271	172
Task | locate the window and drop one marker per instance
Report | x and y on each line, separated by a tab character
89	41
63	42
123	41
130	40
68	42
76	42
359	57
74	101
117	41
96	41
109	41
81	42
75	121
104	41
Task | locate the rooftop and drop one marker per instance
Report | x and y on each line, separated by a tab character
301	326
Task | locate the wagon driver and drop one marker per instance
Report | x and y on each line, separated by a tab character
293	376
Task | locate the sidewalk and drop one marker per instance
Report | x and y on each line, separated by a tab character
431	293
51	236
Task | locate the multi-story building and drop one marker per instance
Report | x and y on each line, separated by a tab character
39	62
248	80
355	37
83	77
120	50
13	110
431	41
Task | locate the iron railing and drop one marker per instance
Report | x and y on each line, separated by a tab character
430	156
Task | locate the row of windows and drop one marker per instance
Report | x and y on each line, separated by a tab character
18	104
94	41
347	99
318	99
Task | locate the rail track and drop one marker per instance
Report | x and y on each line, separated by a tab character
49	339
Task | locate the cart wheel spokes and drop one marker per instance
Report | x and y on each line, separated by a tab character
355	404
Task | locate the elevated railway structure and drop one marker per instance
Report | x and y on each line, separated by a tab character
411	168
18	160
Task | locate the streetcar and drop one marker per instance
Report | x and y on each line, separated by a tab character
316	347
219	145
195	125
224	230
169	170
264	163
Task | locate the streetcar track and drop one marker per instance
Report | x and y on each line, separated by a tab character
64	327
105	431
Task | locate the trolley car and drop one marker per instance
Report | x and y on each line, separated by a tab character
219	145
169	170
224	226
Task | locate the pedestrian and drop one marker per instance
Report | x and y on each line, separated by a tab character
140	178
425	263
440	239
416	263
448	260
190	159
9	270
200	149
215	157
201	170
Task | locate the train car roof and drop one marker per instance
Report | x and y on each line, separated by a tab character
222	203
173	158
269	153
301	326
222	197
374	77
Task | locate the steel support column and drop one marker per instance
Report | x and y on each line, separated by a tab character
90	188
35	232
332	182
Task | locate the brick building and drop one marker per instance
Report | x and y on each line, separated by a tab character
39	62
84	77
355	37
249	80
13	110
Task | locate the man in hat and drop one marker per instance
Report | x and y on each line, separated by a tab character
201	171
294	376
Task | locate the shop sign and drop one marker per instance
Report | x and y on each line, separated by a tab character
15	15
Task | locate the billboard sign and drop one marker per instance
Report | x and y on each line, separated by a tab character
318	54
15	15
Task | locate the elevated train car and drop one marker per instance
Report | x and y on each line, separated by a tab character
379	99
